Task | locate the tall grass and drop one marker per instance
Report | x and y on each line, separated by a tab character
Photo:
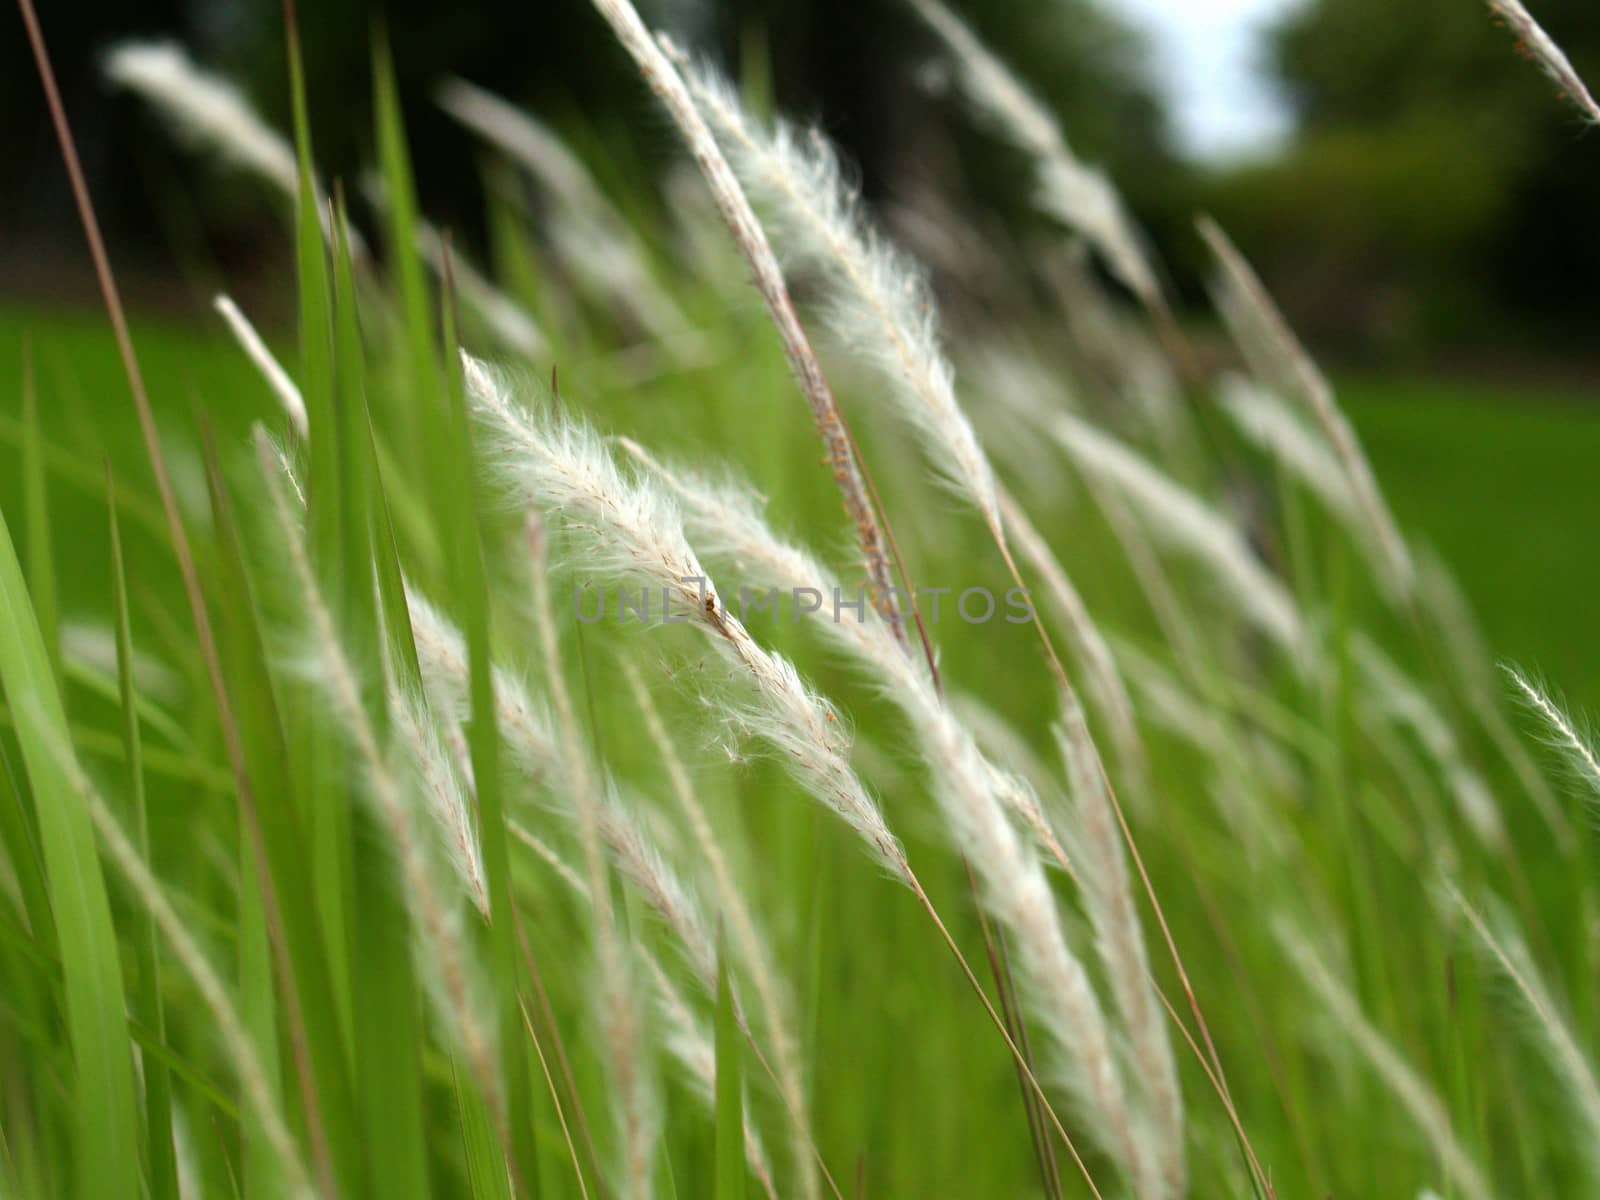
604	815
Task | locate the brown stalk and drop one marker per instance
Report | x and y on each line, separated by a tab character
191	585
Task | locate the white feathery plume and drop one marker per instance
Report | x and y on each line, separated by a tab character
1407	1087
1556	1039
1015	890
591	236
1277	356
447	797
446	950
634	533
1121	348
443	772
1445	602
1168	704
725	520
1183	521
1392	692
1564	732
211	114
289	398
1079	196
1266	421
1108	897
237	1042
1552	60
1001	740
687	1039
1011	380
771	990
529	143
767	277
565	871
531	738
506	319
972	793
207	111
874	286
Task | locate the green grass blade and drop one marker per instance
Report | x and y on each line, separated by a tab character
730	1162
258	1010
326	801
36	515
391	582
388	1027
21	843
359	611
400	211
486	1165
107	1116
161	1157
284	848
470	576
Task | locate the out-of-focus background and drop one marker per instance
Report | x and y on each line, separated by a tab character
1420	200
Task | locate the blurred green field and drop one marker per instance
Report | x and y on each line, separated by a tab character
1499	484
1503	481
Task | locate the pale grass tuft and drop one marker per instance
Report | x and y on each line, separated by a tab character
593	239
212	115
1266	421
1552	60
532	740
453	973
446	789
1564	732
90	647
873	285
634	535
508	320
691	1044
1103	682
771	990
687	1039
727	521
1077	195
207	111
1183	521
1108	897
241	1049
767	277
1277	356
288	395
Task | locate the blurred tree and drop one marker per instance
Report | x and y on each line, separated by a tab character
1437	184
858	67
